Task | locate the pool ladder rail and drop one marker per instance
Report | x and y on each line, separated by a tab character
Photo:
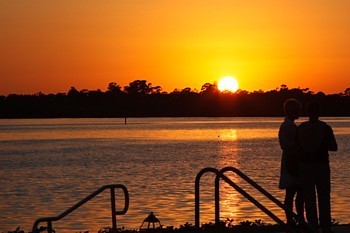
220	175
114	212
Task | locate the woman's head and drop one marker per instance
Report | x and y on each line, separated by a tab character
292	108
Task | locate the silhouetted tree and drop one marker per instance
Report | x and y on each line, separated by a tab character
114	88
347	92
175	91
208	88
185	90
284	87
73	92
139	87
156	90
84	92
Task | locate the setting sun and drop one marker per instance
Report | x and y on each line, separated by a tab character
228	83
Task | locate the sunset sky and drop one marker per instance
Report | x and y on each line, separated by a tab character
49	46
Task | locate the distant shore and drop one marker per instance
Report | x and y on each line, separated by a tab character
185	103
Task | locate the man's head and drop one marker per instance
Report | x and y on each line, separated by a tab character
313	110
292	108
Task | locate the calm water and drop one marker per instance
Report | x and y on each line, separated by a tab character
47	165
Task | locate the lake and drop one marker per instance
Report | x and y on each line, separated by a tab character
48	165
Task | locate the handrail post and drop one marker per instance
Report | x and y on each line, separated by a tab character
196	203
49	226
113	209
217	199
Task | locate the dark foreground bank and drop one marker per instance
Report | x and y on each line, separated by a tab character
256	226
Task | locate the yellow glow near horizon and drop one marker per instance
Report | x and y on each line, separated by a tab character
228	83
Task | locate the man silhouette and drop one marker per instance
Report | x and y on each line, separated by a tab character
316	138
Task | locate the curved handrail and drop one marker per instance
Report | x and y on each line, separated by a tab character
49	220
196	193
235	186
257	187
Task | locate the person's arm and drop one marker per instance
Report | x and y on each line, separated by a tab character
287	137
332	143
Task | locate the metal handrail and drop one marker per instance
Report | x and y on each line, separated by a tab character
49	220
220	174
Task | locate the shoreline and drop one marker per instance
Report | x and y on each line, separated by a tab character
243	227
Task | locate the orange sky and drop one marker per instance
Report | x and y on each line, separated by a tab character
49	46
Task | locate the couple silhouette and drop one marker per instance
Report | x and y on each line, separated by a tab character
305	169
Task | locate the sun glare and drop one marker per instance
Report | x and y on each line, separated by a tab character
228	83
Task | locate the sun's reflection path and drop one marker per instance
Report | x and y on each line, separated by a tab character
229	156
233	206
228	134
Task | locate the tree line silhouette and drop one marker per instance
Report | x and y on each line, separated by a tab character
142	99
